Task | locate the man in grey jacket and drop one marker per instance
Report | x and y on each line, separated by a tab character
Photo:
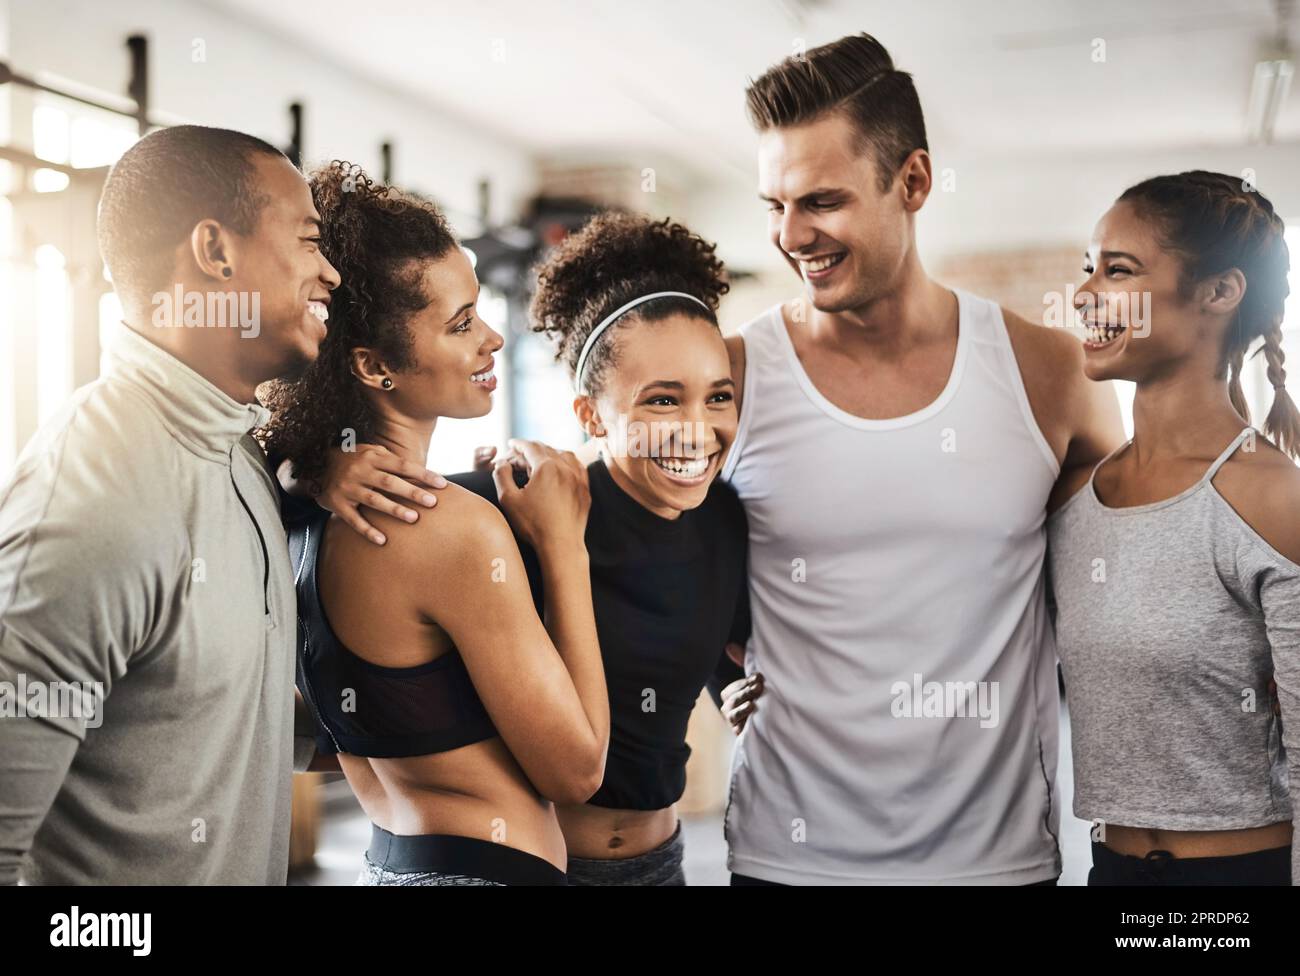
147	616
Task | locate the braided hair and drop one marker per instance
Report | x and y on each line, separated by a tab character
379	239
1216	222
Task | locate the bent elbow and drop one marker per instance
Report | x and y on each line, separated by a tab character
578	782
589	785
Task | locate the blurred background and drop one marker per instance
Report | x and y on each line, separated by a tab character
522	118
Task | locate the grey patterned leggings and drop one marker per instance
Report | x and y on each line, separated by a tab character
372	875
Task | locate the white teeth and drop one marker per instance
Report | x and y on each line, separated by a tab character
319	310
1103	332
821	264
482	377
683	467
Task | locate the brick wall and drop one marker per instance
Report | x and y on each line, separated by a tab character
1017	279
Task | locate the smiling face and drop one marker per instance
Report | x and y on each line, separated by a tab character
452	372
668	411
1141	323
282	263
827	215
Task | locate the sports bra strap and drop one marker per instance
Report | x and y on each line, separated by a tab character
368	709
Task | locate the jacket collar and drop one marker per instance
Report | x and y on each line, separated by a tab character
203	417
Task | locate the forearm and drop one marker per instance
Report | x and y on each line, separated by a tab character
569	620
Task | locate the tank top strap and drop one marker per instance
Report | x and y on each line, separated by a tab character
1097	467
1227	453
980	318
761	335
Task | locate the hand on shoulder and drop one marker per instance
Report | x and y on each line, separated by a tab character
466	522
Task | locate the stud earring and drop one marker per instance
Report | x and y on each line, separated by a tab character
226	272
388	383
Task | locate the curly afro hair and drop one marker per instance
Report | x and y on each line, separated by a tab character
613	259
378	238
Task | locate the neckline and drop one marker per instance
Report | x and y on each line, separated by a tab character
1191	489
949	390
628	508
208	420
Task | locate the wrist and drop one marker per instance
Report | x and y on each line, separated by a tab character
564	549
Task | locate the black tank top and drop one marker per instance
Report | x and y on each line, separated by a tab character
365	709
667	596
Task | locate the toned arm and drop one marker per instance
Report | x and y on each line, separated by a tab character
544	691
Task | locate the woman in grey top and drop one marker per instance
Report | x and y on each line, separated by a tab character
1176	564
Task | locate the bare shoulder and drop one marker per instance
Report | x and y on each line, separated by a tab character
735	349
1045	352
1263	487
736	355
459	526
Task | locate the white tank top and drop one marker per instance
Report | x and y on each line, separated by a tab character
908	731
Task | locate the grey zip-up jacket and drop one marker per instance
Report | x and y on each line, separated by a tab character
142	562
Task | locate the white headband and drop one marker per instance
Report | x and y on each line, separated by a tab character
609	320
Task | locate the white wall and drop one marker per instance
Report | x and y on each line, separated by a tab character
1047	199
249	78
211	68
998	204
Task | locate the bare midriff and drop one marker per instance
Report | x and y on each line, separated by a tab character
599	833
476	791
1140	841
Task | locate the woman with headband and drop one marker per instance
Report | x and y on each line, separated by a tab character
1176	561
631	304
458	718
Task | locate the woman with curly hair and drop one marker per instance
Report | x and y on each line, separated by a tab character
631	304
458	718
1176	560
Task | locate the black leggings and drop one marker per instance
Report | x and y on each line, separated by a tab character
744	880
1272	867
398	858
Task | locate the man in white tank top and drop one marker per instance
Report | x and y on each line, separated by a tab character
897	448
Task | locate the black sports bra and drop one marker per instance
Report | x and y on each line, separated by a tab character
365	709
